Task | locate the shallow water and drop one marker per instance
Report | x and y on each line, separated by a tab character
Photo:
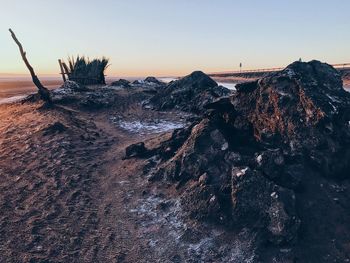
15	88
230	86
12	99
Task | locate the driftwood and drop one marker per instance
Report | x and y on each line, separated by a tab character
62	71
43	92
66	69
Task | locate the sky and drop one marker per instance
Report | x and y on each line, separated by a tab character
174	37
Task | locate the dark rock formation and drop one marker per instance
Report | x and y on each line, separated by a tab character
54	128
95	98
305	109
138	82
190	93
121	83
267	157
258	202
153	80
135	150
68	92
73	86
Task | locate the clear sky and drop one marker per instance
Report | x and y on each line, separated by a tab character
174	37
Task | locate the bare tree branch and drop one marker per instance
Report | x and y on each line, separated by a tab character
43	92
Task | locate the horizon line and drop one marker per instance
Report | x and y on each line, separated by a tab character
121	75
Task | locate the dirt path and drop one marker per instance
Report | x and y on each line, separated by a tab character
142	222
134	216
117	189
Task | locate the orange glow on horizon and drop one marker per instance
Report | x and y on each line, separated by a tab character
127	72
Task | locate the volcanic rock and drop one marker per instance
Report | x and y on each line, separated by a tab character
135	150
68	87
190	93
136	82
153	80
121	83
68	91
95	98
265	157
257	202
303	108
189	161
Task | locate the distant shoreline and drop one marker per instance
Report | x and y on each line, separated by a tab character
16	87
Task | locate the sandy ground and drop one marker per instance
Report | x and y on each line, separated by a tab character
45	183
67	195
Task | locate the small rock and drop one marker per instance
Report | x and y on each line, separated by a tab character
136	150
203	179
56	127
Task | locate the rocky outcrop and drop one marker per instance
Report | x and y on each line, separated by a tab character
304	109
190	93
266	158
135	150
71	86
153	80
121	83
223	184
94	98
68	91
256	201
